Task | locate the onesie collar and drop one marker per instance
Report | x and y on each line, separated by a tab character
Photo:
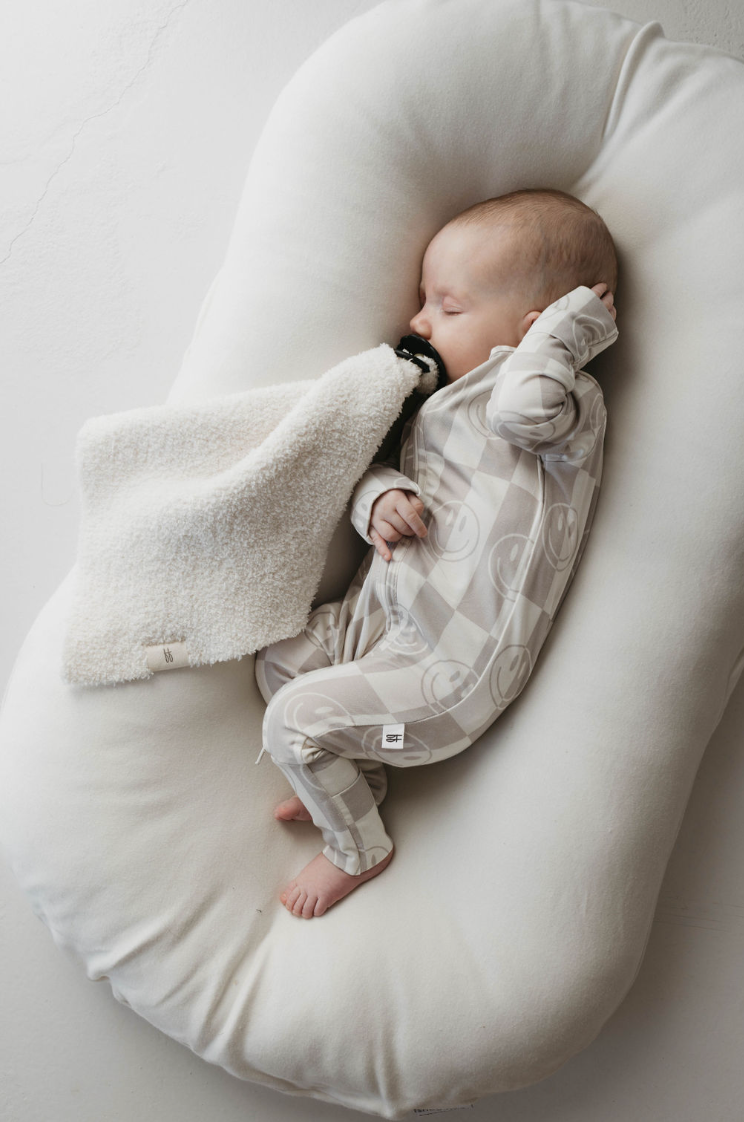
478	371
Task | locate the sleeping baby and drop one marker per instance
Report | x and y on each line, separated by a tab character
477	524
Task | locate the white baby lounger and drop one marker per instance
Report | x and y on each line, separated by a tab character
514	917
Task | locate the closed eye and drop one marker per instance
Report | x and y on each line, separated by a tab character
447	312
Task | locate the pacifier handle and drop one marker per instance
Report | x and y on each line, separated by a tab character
412	345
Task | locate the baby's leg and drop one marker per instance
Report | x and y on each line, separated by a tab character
313	740
321	727
332	785
316	647
280	662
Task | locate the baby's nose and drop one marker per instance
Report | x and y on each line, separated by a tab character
419	326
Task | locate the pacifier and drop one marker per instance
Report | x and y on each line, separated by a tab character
417	349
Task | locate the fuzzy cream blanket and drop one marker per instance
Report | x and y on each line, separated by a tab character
204	527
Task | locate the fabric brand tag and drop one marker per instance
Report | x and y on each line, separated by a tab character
441	1109
392	736
167	656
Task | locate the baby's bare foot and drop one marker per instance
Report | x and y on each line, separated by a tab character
321	884
292	809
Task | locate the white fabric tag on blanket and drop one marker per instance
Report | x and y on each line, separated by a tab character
167	656
393	736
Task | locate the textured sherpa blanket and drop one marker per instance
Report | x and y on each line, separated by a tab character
205	527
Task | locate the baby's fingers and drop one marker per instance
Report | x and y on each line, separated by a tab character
408	511
381	534
607	297
380	545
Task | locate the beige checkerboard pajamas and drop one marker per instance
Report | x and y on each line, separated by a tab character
507	461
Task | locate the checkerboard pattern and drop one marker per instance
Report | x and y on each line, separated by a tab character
507	461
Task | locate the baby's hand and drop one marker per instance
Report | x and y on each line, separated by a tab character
607	298
394	514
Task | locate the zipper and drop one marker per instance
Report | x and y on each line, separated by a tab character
387	587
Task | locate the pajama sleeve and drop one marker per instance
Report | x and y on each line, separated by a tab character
535	403
377	479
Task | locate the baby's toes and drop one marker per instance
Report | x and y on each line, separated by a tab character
289	896
310	904
321	906
295	901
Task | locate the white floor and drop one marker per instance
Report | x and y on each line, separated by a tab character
121	175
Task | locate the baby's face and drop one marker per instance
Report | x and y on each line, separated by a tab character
469	301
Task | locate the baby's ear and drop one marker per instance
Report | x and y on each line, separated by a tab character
528	321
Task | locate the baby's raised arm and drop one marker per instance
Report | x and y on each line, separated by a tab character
533	404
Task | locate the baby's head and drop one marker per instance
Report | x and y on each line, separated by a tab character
492	269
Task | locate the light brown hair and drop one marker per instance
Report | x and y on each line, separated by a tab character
562	242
